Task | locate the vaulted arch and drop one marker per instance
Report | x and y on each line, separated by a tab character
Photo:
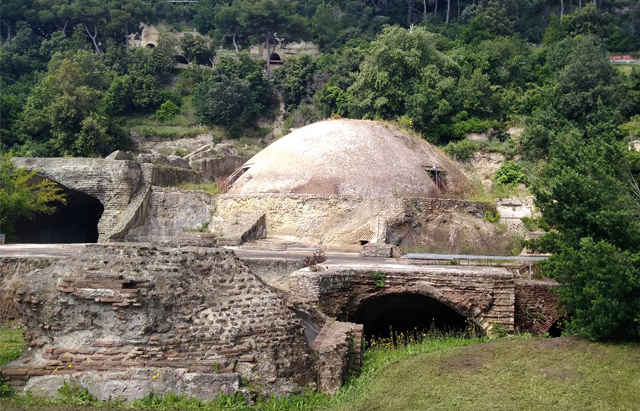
406	313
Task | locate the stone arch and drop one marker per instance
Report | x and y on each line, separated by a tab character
275	58
150	46
180	59
73	222
406	313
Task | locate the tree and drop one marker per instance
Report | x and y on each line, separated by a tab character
587	196
271	20
228	26
224	101
19	197
294	77
65	109
600	287
587	78
393	70
197	49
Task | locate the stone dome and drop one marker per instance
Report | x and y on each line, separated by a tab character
350	157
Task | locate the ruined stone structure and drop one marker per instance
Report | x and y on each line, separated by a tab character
138	319
197	319
536	306
484	295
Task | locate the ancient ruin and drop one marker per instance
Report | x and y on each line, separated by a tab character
159	305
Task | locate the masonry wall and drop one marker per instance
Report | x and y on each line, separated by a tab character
120	315
536	306
340	222
168	212
484	294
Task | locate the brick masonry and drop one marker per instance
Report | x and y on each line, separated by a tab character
483	294
338	351
117	311
536	308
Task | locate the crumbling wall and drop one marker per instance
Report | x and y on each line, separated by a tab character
343	222
483	294
338	351
121	186
536	307
168	212
12	268
120	315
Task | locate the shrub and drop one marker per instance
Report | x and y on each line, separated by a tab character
509	173
461	150
167	111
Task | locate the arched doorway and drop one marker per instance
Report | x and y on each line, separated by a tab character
403	313
73	222
150	46
180	59
275	58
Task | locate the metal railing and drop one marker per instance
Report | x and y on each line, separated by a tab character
469	257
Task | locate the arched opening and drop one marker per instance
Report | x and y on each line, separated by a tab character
558	327
181	59
275	58
406	313
74	222
150	46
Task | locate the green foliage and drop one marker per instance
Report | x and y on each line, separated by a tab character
601	287
167	111
461	150
197	49
64	110
379	279
491	218
294	78
509	173
73	393
20	198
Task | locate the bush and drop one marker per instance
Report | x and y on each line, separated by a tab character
472	125
167	111
509	173
461	150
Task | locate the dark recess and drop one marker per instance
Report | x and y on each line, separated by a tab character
181	59
558	327
405	313
75	222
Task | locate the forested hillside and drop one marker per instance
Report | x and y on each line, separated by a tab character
72	86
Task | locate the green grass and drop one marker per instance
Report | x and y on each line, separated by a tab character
453	373
11	344
625	68
209	188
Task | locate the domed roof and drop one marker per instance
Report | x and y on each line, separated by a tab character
349	157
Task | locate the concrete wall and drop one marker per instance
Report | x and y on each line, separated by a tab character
169	212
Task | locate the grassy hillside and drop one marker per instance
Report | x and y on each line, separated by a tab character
516	373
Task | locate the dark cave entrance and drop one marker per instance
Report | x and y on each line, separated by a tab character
74	222
558	327
407	313
180	59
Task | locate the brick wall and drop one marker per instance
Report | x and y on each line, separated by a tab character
536	306
484	294
118	312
